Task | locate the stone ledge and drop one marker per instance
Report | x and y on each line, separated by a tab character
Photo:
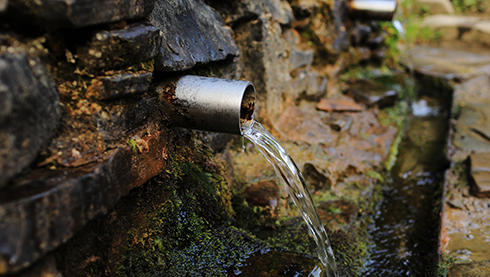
79	13
29	104
47	207
190	38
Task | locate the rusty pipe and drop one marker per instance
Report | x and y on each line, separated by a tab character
208	104
382	10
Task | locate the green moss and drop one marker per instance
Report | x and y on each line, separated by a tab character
132	143
445	263
351	251
190	234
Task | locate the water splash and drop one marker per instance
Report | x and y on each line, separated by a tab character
292	179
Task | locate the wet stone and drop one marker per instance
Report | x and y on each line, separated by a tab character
275	263
480	172
80	13
479	269
338	105
299	58
360	34
338	122
192	33
364	53
281	11
119	85
314	179
472	131
376	42
264	194
45	208
307	84
337	213
371	93
127	115
447	63
29	112
305	125
111	49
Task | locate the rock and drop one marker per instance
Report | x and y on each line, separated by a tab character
119	85
364	53
276	263
449	63
299	83
376	42
29	112
192	33
480	172
126	115
468	29
111	49
44	209
472	131
306	84
379	55
475	269
264	62
456	202
264	194
79	13
337	121
335	212
371	93
316	86
280	10
338	105
299	58
314	179
432	7
238	12
360	34
304	8
304	125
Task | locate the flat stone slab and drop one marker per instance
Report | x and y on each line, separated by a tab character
469	29
111	49
79	13
480	171
338	105
481	269
305	125
47	207
29	112
450	63
119	85
371	93
192	33
473	128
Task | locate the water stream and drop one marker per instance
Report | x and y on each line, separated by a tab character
292	179
404	231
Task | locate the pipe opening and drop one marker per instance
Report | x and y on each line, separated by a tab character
247	108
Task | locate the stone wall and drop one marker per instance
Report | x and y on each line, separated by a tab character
81	123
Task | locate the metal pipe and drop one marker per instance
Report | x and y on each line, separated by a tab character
209	104
382	10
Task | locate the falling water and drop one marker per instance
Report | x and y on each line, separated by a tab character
292	179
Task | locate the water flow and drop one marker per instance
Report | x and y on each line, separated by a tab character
292	179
